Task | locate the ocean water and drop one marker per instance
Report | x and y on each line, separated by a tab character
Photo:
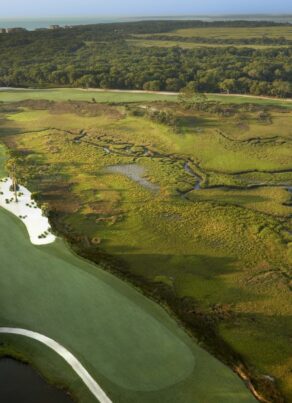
33	23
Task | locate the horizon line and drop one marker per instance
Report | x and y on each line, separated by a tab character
283	14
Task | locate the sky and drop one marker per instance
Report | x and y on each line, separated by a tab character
48	8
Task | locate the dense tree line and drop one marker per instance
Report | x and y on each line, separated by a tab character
100	56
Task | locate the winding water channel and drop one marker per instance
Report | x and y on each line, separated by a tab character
126	169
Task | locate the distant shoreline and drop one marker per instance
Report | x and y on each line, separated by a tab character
39	22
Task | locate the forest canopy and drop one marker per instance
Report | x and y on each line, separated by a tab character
103	56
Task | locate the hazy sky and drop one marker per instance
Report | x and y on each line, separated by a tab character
47	8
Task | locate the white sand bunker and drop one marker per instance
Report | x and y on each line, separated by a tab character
27	211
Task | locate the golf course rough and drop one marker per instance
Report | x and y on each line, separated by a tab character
132	348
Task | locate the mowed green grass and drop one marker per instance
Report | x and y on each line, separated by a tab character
65	94
226	250
74	94
242	99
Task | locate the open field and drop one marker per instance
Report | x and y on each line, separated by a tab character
193	45
253	37
245	99
219	257
124	96
65	94
235	32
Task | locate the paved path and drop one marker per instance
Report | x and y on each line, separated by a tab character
94	388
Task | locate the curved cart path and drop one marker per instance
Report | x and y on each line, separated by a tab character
94	388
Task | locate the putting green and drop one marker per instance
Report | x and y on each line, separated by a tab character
133	349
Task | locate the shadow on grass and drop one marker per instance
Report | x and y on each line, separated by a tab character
194	276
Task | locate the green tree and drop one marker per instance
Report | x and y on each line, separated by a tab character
189	97
228	85
173	84
152	85
282	88
11	167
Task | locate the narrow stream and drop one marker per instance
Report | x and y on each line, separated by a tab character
189	170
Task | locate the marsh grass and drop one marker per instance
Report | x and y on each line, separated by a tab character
224	248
